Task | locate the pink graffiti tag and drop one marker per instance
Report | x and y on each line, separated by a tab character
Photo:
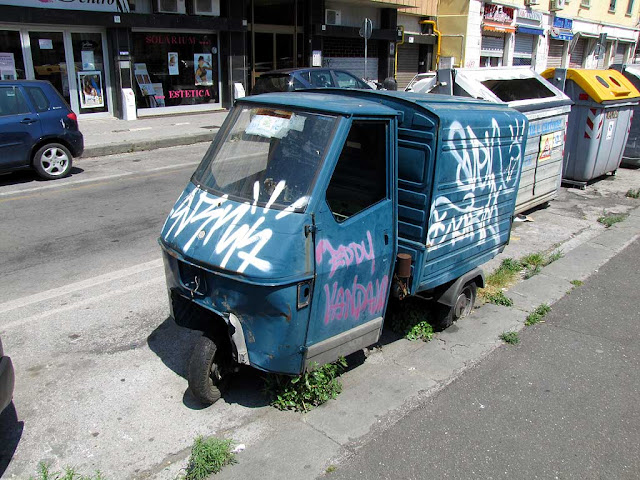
346	255
343	303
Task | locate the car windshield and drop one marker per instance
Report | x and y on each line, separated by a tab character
273	83
269	157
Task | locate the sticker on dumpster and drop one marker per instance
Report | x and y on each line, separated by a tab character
610	126
612	114
546	146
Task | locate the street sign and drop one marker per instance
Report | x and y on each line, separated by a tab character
365	32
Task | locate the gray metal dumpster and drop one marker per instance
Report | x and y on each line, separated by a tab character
547	109
599	121
631	154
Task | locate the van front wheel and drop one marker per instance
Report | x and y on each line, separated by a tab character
445	315
204	372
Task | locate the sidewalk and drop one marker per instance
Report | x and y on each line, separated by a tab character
110	136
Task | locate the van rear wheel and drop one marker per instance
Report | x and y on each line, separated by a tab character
204	371
445	315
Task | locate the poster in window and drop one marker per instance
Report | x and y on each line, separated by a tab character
173	63
7	66
88	60
159	95
143	79
202	68
90	89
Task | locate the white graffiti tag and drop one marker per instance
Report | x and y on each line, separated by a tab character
244	234
478	163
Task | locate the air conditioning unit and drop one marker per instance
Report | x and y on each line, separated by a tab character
170	6
557	4
332	17
206	7
530	3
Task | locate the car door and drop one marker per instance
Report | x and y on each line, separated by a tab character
355	238
19	127
346	80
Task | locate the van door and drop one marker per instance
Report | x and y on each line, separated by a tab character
19	128
355	244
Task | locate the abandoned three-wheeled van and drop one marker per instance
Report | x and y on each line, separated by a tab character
310	210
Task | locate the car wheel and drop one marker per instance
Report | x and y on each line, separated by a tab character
204	372
52	161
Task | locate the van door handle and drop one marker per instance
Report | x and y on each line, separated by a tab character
28	121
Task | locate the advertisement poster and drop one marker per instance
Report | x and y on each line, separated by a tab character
90	89
7	66
143	79
202	68
546	146
45	44
88	60
173	63
159	95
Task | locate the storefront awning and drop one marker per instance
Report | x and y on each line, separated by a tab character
530	30
561	34
498	27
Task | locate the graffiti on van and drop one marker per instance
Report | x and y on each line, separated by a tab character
482	175
244	235
346	255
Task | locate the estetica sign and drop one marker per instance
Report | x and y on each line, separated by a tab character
121	6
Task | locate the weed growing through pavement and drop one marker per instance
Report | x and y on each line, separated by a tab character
609	219
308	390
576	283
498	298
44	473
331	469
633	193
410	318
208	456
537	315
511	338
420	331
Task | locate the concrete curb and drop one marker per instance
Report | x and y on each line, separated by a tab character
401	375
143	145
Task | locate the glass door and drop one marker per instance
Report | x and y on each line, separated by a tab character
89	72
49	61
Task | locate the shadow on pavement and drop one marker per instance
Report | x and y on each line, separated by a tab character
10	434
173	345
29	176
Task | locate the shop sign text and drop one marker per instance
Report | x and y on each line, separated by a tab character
498	13
189	93
174	40
93	5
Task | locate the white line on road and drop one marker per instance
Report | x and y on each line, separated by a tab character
82	285
97	179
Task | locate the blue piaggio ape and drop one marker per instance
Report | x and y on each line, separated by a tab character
310	210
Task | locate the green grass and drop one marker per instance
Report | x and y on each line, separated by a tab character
208	456
633	193
609	219
537	315
577	283
498	298
306	391
511	338
44	473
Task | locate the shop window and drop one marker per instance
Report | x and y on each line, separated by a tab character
360	177
12	102
11	61
38	98
90	72
175	69
518	89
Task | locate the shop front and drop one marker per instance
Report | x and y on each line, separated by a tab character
497	32
175	72
560	36
71	58
528	30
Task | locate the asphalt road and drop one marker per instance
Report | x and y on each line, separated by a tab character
563	404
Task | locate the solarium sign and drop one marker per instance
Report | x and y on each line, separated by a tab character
118	6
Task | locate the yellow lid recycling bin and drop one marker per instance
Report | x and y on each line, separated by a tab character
599	121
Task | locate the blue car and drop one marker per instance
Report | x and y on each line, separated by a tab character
38	130
6	380
290	80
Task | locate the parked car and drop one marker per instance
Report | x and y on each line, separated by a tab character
299	79
422	83
37	129
6	380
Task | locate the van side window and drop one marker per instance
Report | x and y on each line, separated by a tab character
12	102
360	177
38	98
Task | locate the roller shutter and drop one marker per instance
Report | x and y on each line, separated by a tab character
523	51
620	51
556	49
408	58
492	46
576	59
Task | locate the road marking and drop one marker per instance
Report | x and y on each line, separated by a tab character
82	285
98	179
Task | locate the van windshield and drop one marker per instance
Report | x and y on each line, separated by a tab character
269	157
